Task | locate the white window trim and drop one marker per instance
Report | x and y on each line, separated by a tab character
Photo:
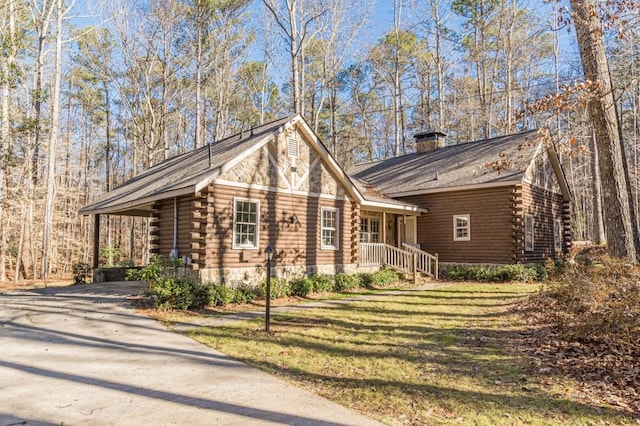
255	246
533	227
322	228
455	234
557	236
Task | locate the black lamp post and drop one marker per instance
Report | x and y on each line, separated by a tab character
269	252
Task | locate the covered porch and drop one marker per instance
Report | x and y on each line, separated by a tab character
388	238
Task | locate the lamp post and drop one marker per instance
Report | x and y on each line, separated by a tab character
269	252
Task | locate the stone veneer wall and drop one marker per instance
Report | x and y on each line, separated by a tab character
255	275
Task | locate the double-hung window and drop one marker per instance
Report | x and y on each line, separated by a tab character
461	227
369	230
329	228
528	232
246	216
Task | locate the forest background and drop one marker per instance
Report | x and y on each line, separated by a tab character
94	92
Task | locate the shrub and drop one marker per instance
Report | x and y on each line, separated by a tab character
174	292
346	282
150	273
322	283
380	278
81	271
301	287
220	294
279	288
244	293
519	272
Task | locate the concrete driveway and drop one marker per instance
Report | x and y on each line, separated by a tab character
81	355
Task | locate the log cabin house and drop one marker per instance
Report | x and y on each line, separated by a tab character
219	206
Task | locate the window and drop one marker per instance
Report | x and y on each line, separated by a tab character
461	227
329	228
245	224
557	235
369	230
528	232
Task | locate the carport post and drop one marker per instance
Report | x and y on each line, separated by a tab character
96	240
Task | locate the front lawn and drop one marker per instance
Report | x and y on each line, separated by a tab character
443	356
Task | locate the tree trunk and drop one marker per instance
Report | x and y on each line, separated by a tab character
45	266
620	223
599	236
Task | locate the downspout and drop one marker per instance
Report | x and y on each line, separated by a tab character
174	251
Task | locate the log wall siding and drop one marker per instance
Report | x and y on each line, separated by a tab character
545	207
296	244
162	228
491	225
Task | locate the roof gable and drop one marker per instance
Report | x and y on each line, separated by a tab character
182	174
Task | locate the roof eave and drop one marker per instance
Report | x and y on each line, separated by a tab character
392	207
509	182
137	205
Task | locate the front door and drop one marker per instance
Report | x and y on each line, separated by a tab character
407	231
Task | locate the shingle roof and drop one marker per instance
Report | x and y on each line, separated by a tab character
500	159
179	174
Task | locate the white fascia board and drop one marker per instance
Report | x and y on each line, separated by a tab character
393	208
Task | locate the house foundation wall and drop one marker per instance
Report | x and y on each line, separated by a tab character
256	274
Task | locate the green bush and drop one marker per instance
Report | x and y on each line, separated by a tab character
322	283
279	288
81	272
301	286
380	278
244	293
220	294
150	273
346	282
174	292
519	272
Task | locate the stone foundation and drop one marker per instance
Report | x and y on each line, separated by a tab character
253	275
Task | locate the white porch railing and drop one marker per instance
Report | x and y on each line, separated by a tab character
372	254
426	263
408	259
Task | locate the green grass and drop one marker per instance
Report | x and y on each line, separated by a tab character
444	356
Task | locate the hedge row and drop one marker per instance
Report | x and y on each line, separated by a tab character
519	272
169	291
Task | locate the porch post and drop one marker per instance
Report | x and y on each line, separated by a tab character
96	240
384	227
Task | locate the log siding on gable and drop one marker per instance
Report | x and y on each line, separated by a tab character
545	207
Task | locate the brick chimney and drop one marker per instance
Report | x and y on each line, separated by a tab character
429	140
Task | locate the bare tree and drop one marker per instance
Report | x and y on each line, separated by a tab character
620	222
297	21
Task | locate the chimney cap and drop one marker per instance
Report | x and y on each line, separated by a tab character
428	133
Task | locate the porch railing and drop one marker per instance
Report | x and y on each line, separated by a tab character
407	259
372	254
400	260
427	263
